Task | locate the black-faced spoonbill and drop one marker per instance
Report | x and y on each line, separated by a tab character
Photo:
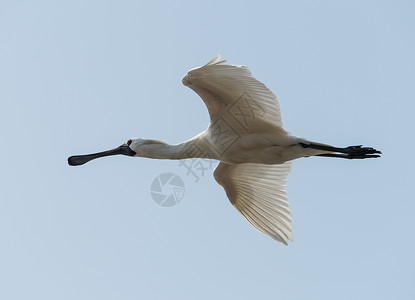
246	135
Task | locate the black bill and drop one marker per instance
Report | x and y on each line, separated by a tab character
78	160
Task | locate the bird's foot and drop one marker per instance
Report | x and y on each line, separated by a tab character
359	152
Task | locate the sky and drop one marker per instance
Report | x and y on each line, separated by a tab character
83	76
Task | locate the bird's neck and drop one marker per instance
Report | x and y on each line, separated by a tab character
161	150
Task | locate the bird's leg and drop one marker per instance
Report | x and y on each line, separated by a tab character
351	152
349	156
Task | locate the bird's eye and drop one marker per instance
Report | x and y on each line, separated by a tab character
129	142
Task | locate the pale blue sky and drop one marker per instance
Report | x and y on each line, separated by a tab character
84	76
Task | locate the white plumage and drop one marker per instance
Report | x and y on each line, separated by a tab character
258	192
246	135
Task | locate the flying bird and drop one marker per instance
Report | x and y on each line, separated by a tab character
246	136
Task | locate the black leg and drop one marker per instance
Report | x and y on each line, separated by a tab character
351	152
349	156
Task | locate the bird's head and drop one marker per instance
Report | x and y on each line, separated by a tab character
132	147
143	147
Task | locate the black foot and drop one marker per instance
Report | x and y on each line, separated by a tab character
359	152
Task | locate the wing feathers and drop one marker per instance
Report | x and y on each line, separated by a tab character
234	89
215	61
258	193
242	105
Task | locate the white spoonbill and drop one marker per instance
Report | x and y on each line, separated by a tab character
246	135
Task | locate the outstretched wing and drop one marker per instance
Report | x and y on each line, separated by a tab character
231	93
258	192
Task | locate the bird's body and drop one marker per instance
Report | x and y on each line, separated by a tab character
246	135
267	148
